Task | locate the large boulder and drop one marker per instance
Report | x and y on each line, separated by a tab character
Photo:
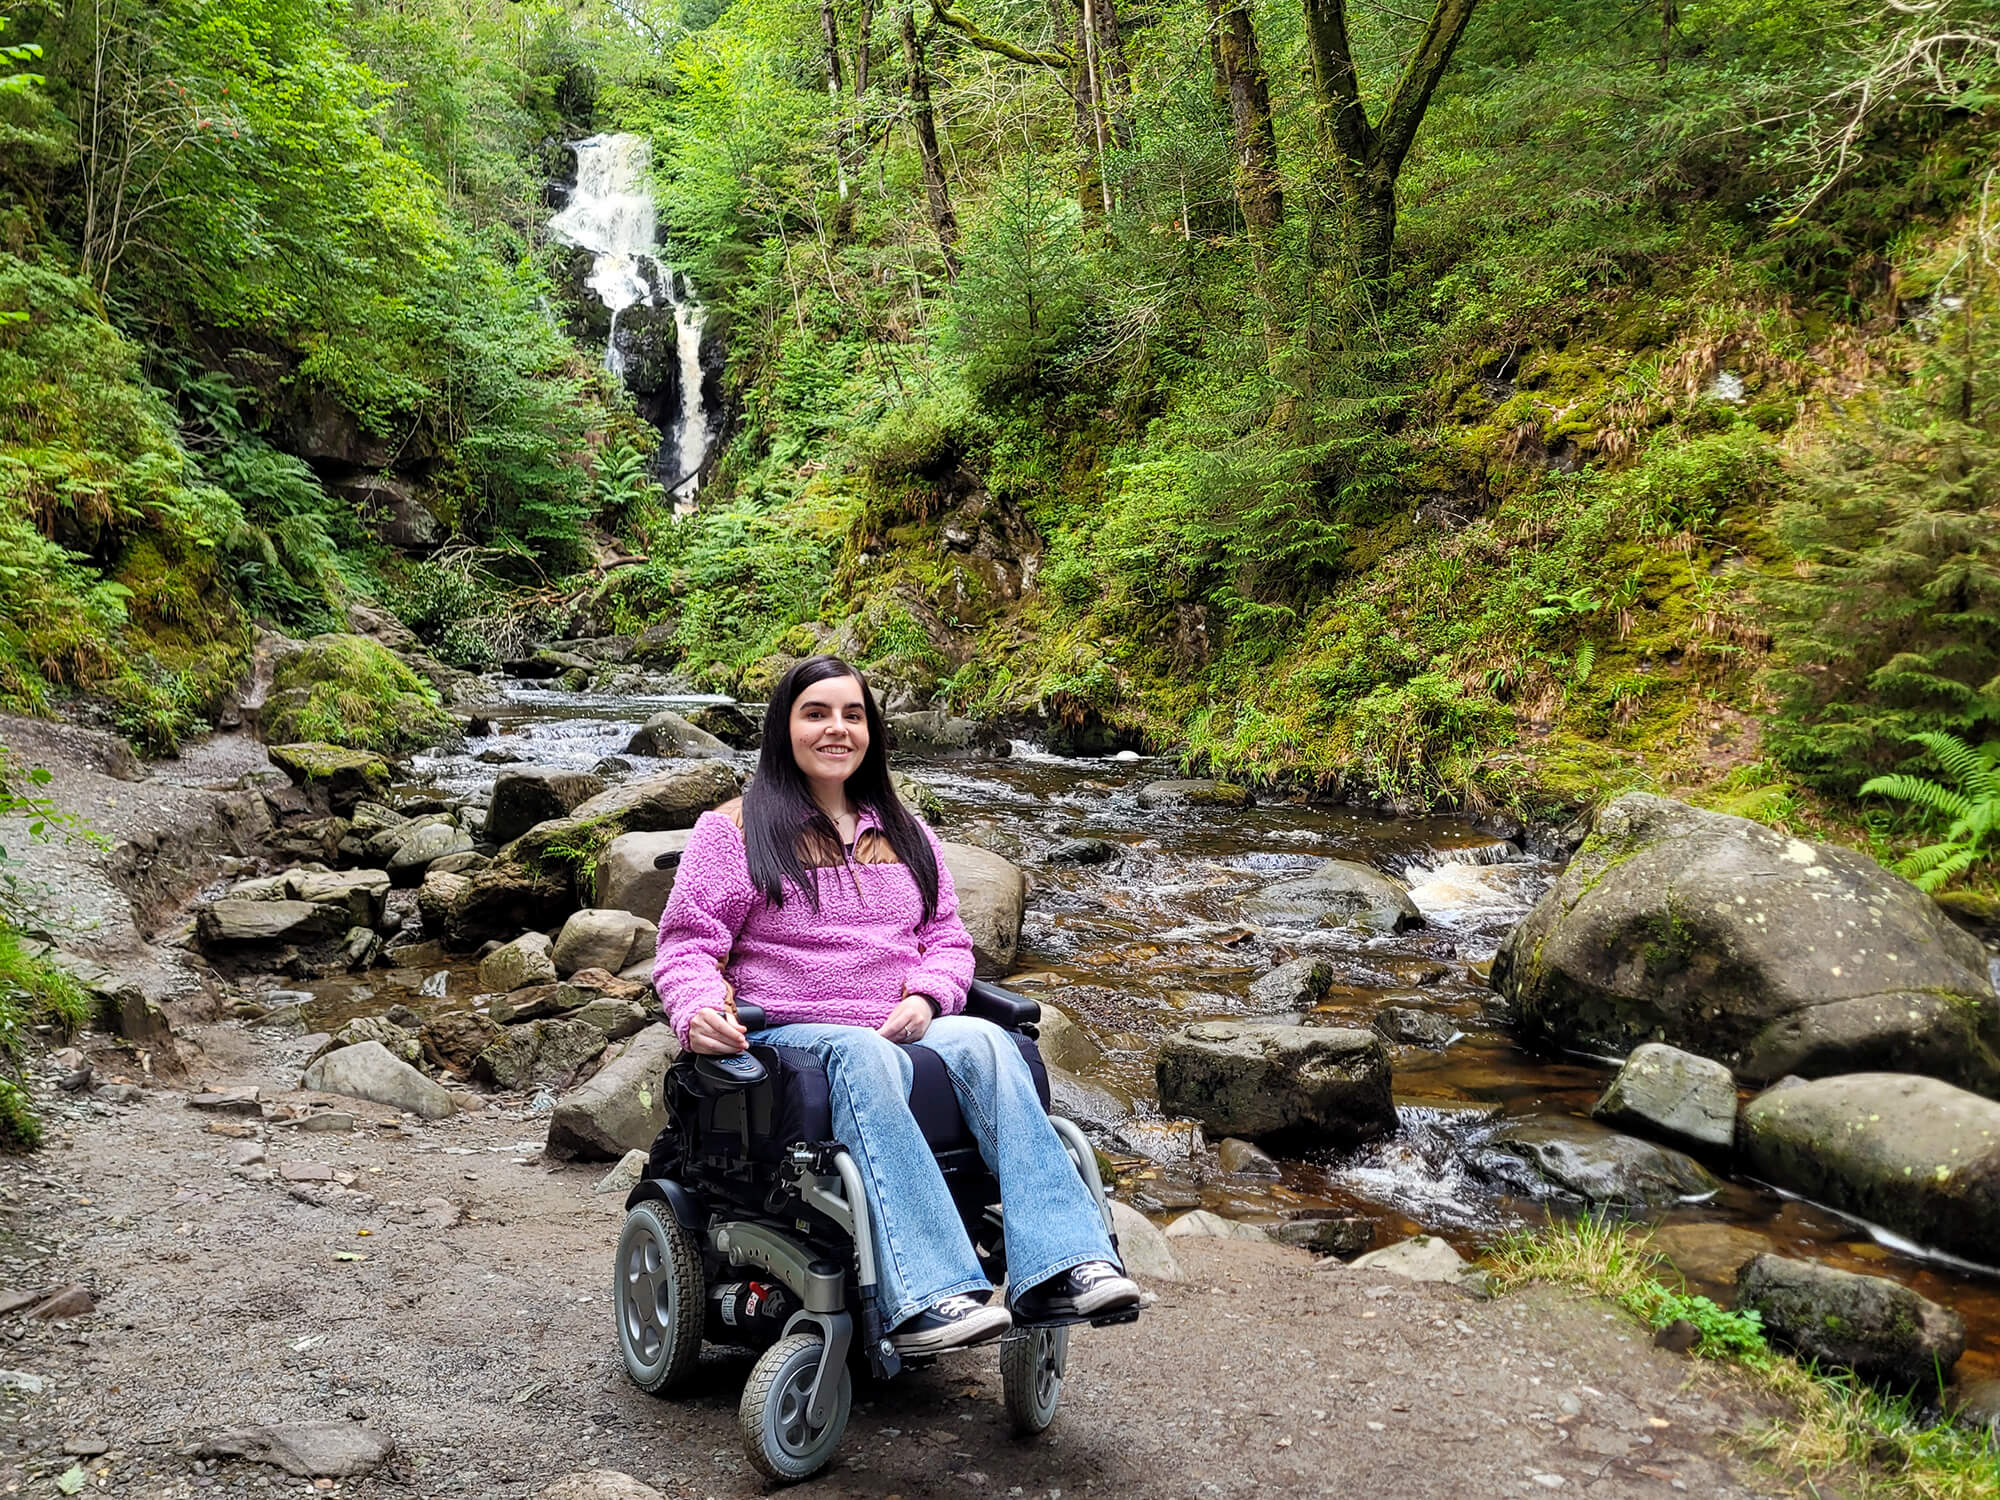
233	921
1209	793
1912	1154
991	895
1340	893
931	732
420	848
631	875
359	893
370	1071
351	689
401	1043
1878	1328
623	1106
667	735
1674	1096
540	1053
463	911
729	722
1767	953
598	938
333	777
1266	1082
649	804
1571	1158
526	795
516	965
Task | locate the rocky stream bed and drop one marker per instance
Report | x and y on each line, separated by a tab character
386	1029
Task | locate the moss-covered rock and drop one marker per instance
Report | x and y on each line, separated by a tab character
332	775
1769	954
350	690
1878	1328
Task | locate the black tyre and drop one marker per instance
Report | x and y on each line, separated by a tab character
1031	1376
777	1436
657	1299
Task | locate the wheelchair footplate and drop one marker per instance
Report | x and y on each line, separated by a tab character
1103	1320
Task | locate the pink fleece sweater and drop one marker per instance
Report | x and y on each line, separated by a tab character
848	964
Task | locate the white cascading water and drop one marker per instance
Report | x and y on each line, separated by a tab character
611	215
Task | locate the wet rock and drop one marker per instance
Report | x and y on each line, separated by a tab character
400	1043
419	848
72	1301
516	965
600	938
1424	1258
630	876
1204	793
1266	1082
600	1484
1579	1159
232	922
1203	1225
539	1053
454	1039
1340	893
991	895
667	735
1674	1096
1404	1026
311	1450
499	901
332	777
1091	1105
1909	1153
1080	852
617	1019
930	732
1142	1248
1769	954
526	795
1878	1328
622	1107
728	722
1327	1235
1242	1159
538	1002
1977	1406
1063	1043
1294	986
362	947
546	664
1710	1253
371	1071
1163	1141
623	1177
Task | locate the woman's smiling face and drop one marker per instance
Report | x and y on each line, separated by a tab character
830	730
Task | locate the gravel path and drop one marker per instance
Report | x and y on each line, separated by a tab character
453	1297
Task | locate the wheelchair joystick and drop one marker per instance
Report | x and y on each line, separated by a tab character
739	1070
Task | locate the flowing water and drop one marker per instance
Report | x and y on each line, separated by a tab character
1151	940
611	214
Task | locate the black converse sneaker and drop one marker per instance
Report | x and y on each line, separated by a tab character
1090	1290
952	1324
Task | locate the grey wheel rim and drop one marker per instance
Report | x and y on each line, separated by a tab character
791	1430
1048	1370
645	1299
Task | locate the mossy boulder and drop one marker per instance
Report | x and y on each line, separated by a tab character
1339	893
463	911
1769	954
332	776
1912	1154
351	690
1878	1328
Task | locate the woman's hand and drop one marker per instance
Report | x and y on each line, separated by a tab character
714	1033
909	1021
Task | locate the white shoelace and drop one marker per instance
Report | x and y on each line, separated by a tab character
957	1307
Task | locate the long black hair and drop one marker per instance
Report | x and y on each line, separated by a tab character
786	836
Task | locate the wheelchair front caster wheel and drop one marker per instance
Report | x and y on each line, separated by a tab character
778	1435
659	1298
1031	1375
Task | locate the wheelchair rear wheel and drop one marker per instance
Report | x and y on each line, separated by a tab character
1031	1375
659	1296
777	1435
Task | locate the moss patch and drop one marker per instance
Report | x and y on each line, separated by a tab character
349	690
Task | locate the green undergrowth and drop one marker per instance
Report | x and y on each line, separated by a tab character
1839	1429
350	690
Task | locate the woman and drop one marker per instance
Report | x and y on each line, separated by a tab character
827	902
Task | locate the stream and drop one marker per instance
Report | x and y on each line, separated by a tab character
1135	947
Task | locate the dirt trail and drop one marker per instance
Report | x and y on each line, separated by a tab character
475	1331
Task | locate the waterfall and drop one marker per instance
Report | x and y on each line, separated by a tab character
610	214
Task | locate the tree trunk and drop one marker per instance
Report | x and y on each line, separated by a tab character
1257	190
1367	158
924	119
1114	73
855	136
836	90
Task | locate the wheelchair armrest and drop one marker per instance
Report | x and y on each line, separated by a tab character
1003	1008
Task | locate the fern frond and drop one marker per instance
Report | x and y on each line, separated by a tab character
1930	795
1960	761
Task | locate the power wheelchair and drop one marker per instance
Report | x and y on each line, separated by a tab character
749	1228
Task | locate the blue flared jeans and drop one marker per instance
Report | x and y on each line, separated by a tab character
922	1254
